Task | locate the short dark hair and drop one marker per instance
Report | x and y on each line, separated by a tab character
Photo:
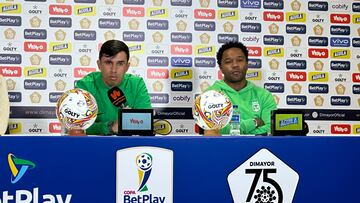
229	45
112	47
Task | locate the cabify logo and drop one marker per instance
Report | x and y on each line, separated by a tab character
18	167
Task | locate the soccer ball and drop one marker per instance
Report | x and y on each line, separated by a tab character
212	110
76	109
144	161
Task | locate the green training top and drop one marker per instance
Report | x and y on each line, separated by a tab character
253	102
135	91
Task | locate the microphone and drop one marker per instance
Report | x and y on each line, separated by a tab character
117	97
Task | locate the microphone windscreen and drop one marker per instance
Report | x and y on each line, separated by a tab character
117	97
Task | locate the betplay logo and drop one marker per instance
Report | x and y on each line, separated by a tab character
144	174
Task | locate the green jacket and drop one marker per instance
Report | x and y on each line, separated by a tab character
253	102
135	91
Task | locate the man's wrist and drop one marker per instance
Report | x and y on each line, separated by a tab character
256	124
110	127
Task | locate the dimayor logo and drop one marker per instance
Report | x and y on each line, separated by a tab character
263	178
144	174
18	167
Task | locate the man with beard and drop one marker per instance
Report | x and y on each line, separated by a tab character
254	103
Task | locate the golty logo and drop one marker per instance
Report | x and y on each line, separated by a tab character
18	167
144	165
263	178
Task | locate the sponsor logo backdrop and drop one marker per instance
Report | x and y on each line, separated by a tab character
305	52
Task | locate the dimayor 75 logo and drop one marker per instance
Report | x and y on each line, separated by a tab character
144	174
263	178
18	167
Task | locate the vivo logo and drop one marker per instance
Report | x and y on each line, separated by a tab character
339	42
250	4
181	61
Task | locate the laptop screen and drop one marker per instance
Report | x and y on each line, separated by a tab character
287	122
136	122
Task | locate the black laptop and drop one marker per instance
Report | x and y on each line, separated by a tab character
136	122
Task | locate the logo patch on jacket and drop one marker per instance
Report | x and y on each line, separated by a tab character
255	106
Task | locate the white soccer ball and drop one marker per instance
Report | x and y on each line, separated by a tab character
144	161
76	109
212	110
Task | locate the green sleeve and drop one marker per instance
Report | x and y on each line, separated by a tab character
98	128
142	99
268	105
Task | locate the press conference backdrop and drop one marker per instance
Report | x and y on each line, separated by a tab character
305	52
179	169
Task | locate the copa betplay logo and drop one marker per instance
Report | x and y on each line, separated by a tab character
144	174
263	178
